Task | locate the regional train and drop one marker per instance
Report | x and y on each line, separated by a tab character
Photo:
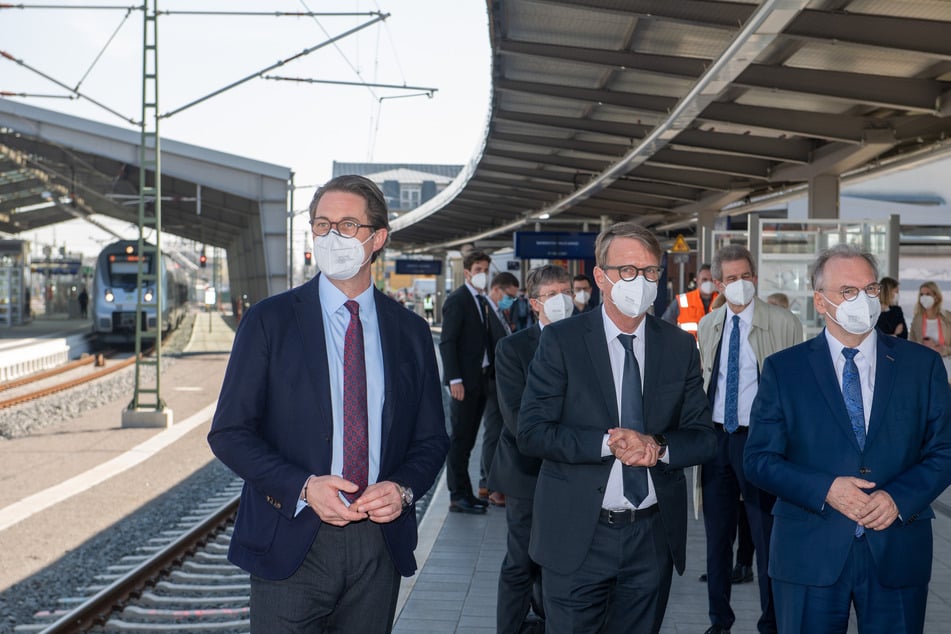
114	293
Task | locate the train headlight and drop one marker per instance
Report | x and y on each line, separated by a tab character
109	295
149	295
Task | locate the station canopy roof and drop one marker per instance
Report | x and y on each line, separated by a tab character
655	110
56	167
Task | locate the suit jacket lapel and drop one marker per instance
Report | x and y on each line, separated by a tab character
597	346
390	341
654	356
310	325
820	359
886	357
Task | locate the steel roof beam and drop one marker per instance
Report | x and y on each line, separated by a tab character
727	15
919	36
914	95
905	93
833	127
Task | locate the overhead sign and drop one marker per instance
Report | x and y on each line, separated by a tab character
576	245
419	267
680	245
56	267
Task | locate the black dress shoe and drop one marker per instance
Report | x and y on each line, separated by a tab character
742	574
467	505
716	629
478	501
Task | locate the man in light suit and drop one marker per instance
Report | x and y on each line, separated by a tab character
851	431
513	473
331	411
610	513
734	341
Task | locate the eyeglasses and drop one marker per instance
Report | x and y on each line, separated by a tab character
547	296
629	272
849	293
348	227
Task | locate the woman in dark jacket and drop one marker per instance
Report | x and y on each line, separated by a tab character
892	319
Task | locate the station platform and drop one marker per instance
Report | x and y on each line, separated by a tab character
42	344
43	328
460	556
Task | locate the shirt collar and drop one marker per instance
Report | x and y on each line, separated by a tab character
867	348
746	315
611	331
332	298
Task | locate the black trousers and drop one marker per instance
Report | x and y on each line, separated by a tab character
519	573
347	583
723	483
622	586
491	428
464	416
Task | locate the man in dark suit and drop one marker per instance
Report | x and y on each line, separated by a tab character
331	411
501	295
851	431
610	513
467	368
513	473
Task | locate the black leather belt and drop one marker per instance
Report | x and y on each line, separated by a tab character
742	429
615	518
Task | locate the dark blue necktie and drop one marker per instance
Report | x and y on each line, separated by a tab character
731	418
632	417
852	391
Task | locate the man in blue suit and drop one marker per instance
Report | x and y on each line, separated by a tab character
614	407
331	411
851	431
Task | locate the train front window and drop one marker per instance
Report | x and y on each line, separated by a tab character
124	270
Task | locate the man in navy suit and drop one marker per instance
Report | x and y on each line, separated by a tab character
331	411
513	473
610	513
851	431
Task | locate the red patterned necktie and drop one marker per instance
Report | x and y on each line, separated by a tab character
355	450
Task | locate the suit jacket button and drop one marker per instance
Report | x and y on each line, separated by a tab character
864	470
600	489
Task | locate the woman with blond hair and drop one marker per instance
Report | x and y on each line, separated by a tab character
931	325
892	320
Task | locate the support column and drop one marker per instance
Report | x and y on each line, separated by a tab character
824	196
706	220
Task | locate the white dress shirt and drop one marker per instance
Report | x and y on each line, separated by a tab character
864	361
614	492
749	373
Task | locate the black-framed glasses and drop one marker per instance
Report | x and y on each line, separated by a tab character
629	272
547	296
347	227
849	293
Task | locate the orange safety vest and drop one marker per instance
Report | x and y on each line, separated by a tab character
691	310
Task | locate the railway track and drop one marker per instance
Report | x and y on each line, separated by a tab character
181	581
74	368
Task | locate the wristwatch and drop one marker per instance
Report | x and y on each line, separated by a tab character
661	441
407	494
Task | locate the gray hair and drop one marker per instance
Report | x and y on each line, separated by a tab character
543	275
625	230
730	253
842	250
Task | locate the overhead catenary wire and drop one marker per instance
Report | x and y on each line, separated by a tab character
307	51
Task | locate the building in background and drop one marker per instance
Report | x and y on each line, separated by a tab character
406	186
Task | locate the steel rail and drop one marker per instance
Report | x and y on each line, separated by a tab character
97	608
